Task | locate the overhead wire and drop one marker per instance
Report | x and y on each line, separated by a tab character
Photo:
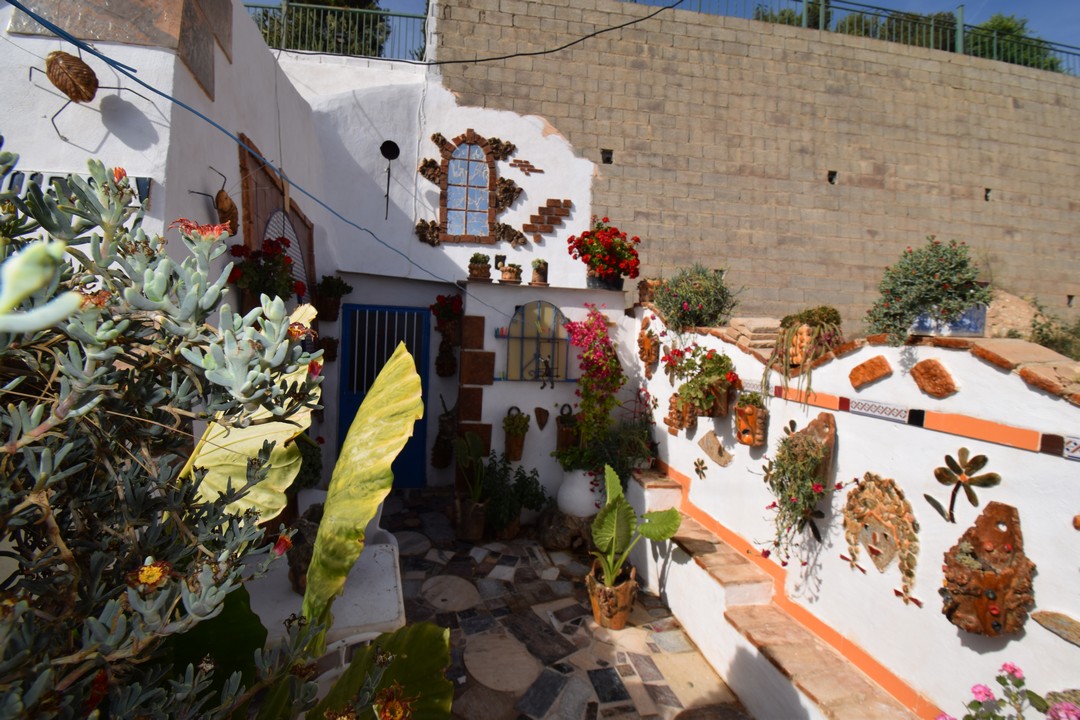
130	73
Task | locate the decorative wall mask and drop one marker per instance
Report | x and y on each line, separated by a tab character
960	473
879	518
648	347
987	576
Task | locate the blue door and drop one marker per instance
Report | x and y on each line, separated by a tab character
370	334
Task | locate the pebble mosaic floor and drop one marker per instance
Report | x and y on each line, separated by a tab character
523	641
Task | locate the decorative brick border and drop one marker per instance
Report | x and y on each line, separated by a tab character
1037	366
548	217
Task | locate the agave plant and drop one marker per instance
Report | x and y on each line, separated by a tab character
960	473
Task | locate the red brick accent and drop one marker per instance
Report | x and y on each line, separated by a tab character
472	332
933	379
1042	377
873	369
477	367
952	343
992	357
548	217
525	166
470	404
848	347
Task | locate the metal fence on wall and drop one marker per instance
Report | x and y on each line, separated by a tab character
937	30
341	31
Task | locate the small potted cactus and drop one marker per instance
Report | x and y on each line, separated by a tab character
540	273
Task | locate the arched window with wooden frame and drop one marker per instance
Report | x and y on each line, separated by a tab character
537	345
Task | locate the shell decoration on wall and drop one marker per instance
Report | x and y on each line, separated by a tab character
988	587
879	518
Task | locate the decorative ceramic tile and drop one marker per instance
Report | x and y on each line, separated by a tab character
501	572
662	695
1072	448
646	668
478	554
751	386
885	411
673	641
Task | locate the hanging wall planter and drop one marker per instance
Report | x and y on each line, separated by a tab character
567	433
515	425
648	348
445	361
681	415
751	420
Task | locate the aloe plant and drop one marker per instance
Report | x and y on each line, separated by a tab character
960	473
362	478
469	452
617	528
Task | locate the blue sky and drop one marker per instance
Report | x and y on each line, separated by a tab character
1056	20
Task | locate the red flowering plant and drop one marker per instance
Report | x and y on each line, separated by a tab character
706	372
606	250
266	271
446	309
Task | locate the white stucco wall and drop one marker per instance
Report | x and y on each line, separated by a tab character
918	644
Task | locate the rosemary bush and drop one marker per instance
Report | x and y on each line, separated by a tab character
695	297
107	355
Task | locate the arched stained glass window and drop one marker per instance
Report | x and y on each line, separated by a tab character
537	346
468	192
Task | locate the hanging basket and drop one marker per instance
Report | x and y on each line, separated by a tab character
515	446
329	308
567	432
722	395
445	361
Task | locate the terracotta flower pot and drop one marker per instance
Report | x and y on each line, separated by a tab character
611	606
480	272
751	423
470	519
515	445
681	415
539	276
722	395
510	276
329	308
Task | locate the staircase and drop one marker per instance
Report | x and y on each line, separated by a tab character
777	667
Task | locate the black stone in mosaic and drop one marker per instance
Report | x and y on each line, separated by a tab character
462	568
916	417
570	612
500	612
662	695
646	667
415	563
525	574
608	686
538	637
563	667
591	710
508	560
1052	444
478	624
446	620
542	694
602	663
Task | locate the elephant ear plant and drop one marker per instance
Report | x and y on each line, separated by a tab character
617	528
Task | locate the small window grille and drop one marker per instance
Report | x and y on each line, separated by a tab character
537	346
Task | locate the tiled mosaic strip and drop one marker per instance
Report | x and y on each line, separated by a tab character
1067	447
751	386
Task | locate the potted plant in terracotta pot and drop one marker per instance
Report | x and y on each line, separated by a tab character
608	253
328	294
751	419
615	530
928	289
515	425
510	489
471	508
511	274
711	382
540	273
480	267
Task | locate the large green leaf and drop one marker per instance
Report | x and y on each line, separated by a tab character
224	452
613	527
660	525
361	480
421	654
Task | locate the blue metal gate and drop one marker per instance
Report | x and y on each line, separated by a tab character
370	333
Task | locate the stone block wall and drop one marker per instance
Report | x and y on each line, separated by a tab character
724	134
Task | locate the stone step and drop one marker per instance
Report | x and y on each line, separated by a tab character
777	667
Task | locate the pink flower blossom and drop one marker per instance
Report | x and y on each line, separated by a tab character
1010	669
982	693
944	716
1063	711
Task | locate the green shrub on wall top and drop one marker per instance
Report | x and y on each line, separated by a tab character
695	297
938	278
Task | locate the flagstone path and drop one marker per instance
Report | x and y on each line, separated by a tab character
522	639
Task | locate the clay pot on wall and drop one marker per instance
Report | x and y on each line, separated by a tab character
539	274
511	275
681	415
751	425
480	272
611	606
